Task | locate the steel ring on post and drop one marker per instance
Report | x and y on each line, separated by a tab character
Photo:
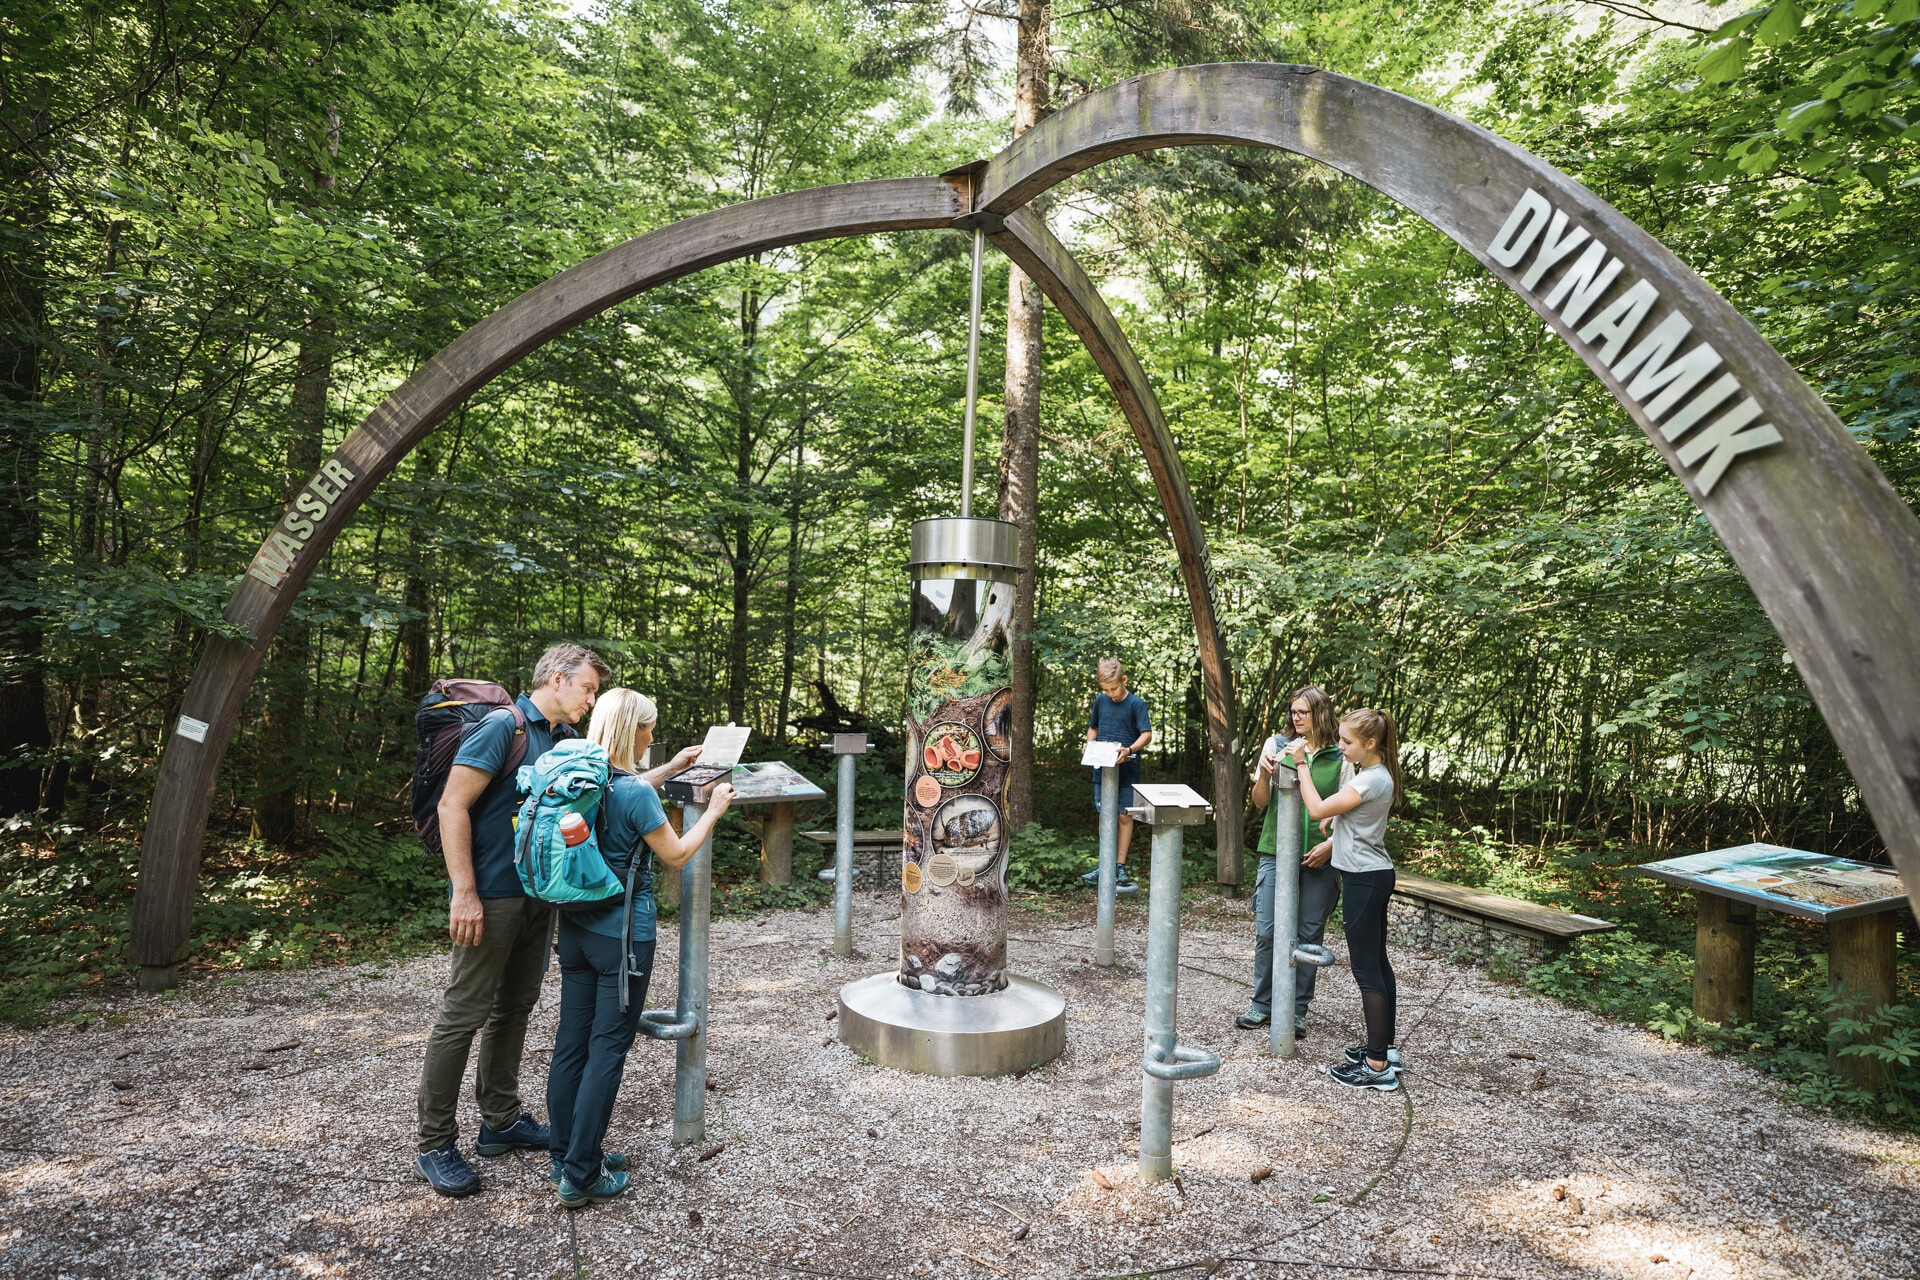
665	1024
1187	1063
1312	953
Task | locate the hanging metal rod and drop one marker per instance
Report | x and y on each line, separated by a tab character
973	376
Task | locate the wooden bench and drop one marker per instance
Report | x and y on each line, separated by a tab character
1473	924
869	847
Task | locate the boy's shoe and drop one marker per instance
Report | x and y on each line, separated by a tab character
605	1187
446	1170
1358	1075
610	1161
1122	882
1252	1019
524	1132
1358	1054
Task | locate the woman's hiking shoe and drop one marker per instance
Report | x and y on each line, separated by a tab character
605	1187
1359	1054
446	1170
613	1161
1358	1075
1252	1019
524	1132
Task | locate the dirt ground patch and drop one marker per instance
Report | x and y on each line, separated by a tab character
1532	1140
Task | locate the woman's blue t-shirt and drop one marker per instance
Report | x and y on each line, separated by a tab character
630	812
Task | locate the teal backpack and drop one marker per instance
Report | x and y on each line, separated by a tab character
571	778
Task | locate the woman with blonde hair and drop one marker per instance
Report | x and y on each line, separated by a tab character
1369	789
596	1029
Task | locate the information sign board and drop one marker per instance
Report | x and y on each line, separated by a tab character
1790	880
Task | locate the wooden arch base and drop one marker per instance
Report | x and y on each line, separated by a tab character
1828	547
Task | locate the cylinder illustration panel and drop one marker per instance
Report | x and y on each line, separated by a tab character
953	874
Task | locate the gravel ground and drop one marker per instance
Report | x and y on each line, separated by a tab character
190	1136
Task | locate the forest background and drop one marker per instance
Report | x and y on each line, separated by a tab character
229	227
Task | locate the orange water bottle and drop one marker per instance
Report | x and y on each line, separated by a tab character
573	829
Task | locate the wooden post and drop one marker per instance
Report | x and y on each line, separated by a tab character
666	881
1860	965
1723	960
776	844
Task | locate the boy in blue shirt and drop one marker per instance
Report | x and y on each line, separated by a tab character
1119	716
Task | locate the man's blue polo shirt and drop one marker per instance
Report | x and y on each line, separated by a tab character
485	748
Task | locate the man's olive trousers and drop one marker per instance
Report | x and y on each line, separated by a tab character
494	988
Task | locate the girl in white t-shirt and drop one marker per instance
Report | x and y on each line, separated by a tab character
1369	789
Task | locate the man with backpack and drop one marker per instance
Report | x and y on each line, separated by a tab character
499	933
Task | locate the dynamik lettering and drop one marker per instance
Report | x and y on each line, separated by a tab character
1657	376
308	511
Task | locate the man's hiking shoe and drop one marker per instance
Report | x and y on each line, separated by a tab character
610	1161
524	1132
606	1187
1123	883
1358	1075
1252	1019
446	1170
1358	1054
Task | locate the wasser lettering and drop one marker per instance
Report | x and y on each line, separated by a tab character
1657	367
303	517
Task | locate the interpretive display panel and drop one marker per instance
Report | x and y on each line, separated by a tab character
1789	880
954	853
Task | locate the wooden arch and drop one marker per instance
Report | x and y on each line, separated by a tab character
1829	548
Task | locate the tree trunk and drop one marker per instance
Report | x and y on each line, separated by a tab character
416	632
25	735
788	627
740	548
1020	441
282	727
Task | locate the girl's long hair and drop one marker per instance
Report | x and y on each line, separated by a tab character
1370	724
1323	730
618	715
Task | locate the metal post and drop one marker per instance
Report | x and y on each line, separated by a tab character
1286	906
973	375
843	862
1109	863
1163	986
690	1054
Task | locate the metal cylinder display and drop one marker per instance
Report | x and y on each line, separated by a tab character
690	1052
953	923
1109	867
843	861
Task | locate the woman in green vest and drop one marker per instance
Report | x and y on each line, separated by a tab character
1310	716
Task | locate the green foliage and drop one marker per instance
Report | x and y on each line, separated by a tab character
1047	860
940	671
67	894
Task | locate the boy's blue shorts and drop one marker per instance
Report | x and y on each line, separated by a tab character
1129	774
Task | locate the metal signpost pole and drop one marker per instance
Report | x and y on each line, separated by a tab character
1165	1060
690	1054
1109	862
843	849
1286	907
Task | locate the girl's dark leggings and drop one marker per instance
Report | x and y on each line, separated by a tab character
1364	896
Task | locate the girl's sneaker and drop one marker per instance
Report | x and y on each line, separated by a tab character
606	1187
1358	1054
1358	1075
611	1161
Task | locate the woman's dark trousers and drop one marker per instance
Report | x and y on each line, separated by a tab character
1365	895
590	1052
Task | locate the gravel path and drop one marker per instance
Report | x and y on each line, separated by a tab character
191	1137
